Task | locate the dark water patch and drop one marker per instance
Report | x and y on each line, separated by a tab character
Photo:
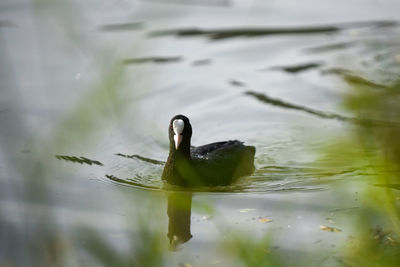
329	47
352	78
201	62
81	160
321	114
219	34
298	68
237	83
136	156
251	32
283	104
129	26
161	60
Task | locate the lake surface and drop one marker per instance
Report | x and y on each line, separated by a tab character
88	90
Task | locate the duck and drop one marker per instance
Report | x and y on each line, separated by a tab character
214	164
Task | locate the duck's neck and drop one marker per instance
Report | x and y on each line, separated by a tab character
177	168
182	152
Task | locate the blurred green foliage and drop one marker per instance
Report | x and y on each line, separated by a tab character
376	237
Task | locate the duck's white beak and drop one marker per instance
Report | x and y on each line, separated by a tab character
178	139
178	126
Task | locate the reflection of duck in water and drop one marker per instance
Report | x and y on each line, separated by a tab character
214	164
179	212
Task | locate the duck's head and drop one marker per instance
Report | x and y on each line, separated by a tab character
180	132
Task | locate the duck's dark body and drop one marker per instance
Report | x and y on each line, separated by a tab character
214	164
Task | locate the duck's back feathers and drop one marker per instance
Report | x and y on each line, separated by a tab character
214	147
221	163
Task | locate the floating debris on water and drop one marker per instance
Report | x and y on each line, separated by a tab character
265	220
329	229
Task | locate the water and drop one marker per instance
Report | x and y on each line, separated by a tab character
88	90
